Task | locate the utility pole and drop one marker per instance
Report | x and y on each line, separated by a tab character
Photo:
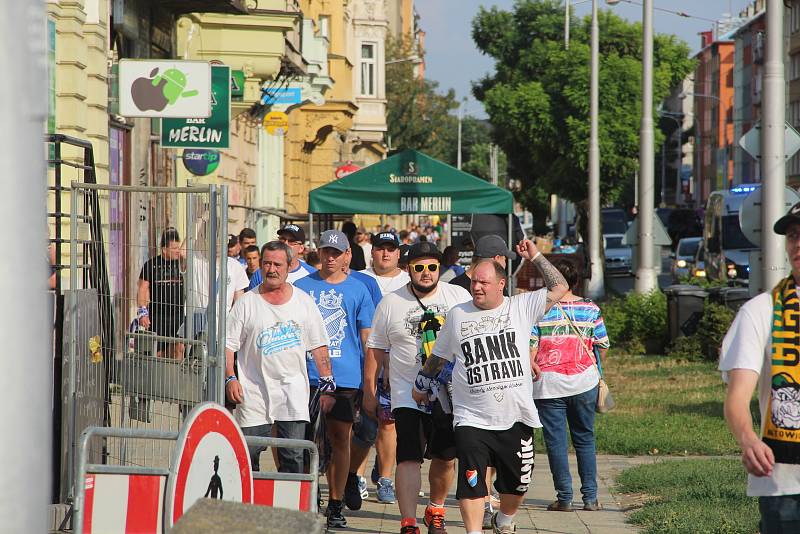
645	273
26	411
773	160
493	170
595	287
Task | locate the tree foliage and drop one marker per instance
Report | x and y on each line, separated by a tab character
538	97
417	115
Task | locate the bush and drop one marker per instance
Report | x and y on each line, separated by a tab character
717	318
637	322
687	348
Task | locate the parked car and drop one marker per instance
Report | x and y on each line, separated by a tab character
684	256
618	256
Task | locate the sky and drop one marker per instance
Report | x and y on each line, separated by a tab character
453	60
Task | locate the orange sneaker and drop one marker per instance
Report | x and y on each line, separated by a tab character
434	519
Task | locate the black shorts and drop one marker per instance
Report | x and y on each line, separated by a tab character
421	435
347	404
510	452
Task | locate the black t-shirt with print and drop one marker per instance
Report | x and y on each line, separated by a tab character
166	288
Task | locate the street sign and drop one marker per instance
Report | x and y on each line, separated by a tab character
284	96
211	132
750	213
751	141
276	123
164	88
210	460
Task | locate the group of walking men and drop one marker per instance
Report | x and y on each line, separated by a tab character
425	369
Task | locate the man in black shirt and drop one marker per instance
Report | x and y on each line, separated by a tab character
491	247
160	295
358	262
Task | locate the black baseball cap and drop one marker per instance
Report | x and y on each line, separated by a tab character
490	246
424	249
384	238
792	216
404	255
294	232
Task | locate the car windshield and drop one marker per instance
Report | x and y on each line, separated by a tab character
614	242
732	236
688	248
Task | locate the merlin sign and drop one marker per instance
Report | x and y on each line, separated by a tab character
425	204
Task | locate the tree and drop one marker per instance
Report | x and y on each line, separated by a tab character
538	98
418	116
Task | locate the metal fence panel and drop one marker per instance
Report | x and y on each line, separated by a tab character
136	249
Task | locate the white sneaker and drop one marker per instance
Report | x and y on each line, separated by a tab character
362	487
505	529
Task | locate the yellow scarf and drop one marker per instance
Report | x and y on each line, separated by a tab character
782	426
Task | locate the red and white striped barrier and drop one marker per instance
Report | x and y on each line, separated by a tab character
291	494
123	504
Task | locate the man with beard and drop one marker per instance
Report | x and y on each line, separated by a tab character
493	411
272	327
760	350
405	327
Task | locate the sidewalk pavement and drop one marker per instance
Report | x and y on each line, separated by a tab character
376	518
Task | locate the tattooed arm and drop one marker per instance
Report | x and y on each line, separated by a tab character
554	281
322	360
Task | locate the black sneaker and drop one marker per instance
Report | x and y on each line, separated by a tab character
352	495
334	515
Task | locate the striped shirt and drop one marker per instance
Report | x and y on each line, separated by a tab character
567	369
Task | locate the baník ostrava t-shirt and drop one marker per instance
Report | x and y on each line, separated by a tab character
492	373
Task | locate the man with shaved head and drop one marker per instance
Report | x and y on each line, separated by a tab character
493	409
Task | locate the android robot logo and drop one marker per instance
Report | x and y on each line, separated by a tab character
155	92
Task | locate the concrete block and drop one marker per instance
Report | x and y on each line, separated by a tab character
209	516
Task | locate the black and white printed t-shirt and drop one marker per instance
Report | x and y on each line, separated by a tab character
492	385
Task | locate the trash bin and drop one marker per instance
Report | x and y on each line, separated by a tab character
685	305
731	296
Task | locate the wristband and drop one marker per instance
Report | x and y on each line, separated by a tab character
231	379
423	384
538	253
142	312
326	384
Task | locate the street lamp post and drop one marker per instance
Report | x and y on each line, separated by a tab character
645	273
595	287
773	162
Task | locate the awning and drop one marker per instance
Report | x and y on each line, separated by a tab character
410	182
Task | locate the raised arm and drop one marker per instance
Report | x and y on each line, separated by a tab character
553	280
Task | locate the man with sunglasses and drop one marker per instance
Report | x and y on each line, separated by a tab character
405	325
295	237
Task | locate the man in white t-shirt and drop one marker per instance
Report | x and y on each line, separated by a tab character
749	359
272	327
405	326
493	409
295	237
384	256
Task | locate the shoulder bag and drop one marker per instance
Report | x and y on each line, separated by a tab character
605	402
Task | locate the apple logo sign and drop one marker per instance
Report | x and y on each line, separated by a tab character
155	92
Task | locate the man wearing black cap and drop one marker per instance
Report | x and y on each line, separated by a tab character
295	237
761	349
490	247
405	325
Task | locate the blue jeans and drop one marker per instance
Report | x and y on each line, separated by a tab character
577	411
291	460
780	514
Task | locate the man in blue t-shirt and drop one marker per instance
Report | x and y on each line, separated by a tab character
295	237
346	307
